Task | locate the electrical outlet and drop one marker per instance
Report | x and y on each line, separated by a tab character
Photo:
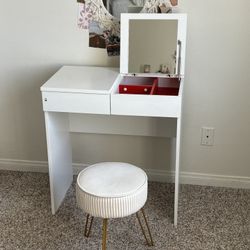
207	136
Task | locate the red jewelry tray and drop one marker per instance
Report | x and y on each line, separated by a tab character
167	91
148	89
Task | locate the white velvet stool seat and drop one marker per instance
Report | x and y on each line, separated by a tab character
112	190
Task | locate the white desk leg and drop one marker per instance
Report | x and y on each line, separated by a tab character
59	156
177	170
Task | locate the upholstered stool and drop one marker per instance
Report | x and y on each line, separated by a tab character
112	190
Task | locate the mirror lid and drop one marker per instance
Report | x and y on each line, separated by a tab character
124	54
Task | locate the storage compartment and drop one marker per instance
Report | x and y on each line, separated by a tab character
149	86
136	85
168	86
76	103
147	96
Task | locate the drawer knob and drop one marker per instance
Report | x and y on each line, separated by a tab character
145	90
125	89
45	99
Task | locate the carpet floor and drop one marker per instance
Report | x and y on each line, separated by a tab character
209	218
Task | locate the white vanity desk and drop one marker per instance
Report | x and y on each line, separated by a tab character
87	100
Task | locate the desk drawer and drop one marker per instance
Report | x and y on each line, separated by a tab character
76	103
163	99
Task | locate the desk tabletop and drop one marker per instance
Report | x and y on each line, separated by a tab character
82	79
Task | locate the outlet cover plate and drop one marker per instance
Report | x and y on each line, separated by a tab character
207	136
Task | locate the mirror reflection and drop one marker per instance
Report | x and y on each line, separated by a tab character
116	7
152	46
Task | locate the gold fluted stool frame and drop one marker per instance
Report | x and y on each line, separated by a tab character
147	235
88	226
146	232
104	233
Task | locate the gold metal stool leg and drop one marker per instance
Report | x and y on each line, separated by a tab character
88	227
104	233
150	240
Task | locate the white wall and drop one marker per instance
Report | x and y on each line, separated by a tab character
217	91
36	38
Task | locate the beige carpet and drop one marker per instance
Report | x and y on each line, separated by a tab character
209	218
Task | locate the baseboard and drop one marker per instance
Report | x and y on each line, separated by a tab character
215	180
24	165
153	174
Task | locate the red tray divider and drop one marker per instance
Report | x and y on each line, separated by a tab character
154	87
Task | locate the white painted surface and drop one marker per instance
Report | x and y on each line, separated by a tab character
82	79
177	169
36	40
176	148
123	125
217	87
140	105
59	156
76	102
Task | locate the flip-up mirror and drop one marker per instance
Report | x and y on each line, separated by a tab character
153	43
152	46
